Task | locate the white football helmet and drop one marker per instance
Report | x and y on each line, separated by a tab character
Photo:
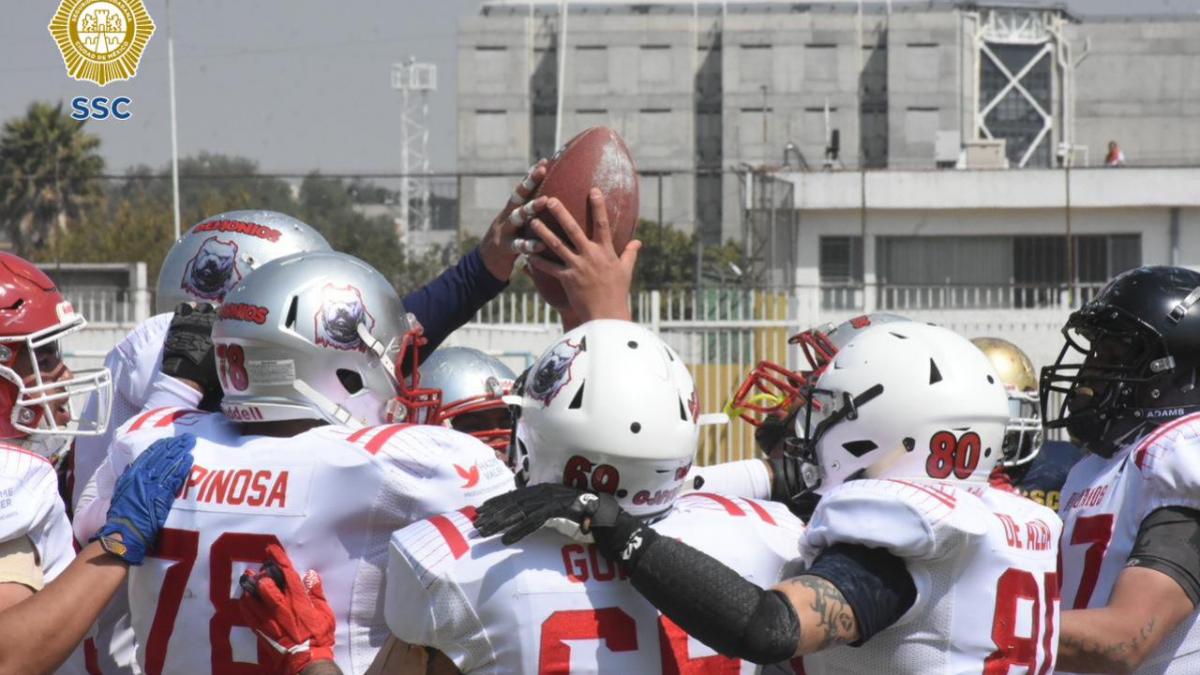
473	387
318	335
1023	440
218	252
609	408
903	400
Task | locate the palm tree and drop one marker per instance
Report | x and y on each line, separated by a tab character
48	171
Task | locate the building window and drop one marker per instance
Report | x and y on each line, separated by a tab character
491	127
841	270
820	62
754	64
1014	117
962	272
591	64
654	62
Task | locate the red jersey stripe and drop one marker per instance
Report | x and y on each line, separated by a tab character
168	420
760	511
380	439
730	507
141	421
454	539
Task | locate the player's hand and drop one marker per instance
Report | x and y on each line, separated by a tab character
521	512
501	246
143	496
188	350
595	278
290	614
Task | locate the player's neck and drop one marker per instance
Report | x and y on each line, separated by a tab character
281	429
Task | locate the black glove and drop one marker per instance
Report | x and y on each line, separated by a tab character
188	350
521	512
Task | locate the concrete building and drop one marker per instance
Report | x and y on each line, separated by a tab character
706	91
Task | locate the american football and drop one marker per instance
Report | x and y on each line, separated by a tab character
597	157
844	336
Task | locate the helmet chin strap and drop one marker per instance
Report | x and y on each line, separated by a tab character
885	463
331	410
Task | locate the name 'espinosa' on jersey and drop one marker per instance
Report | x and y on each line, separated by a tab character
550	604
331	496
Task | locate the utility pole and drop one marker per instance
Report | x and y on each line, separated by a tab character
414	81
174	127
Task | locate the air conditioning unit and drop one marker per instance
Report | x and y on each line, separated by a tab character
946	148
985	154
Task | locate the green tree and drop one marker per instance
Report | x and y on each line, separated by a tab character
668	260
210	184
48	170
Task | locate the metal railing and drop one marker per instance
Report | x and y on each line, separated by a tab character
102	305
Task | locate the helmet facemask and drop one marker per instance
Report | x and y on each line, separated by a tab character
1120	382
485	416
46	395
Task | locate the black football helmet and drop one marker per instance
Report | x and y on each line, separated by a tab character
1130	359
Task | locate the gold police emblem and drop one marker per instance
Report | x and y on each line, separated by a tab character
101	40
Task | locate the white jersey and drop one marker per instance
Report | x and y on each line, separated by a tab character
331	497
30	506
983	562
552	605
1104	502
133	364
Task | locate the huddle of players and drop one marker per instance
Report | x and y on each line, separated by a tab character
908	560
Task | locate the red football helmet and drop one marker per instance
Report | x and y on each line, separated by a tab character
36	387
771	390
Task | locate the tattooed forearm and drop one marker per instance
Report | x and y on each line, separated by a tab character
826	619
1083	654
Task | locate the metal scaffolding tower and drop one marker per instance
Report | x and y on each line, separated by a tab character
414	81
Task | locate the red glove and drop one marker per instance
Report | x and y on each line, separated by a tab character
289	614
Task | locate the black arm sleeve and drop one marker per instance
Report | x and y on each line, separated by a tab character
449	301
1168	541
708	600
875	583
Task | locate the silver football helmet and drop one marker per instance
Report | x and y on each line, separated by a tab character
318	335
218	252
473	385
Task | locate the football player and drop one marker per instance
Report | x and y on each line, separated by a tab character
39	417
1131	506
769	399
39	633
607	407
914	565
473	386
1032	466
310	351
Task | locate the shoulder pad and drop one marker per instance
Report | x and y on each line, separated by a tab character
28	491
920	520
160	420
420	560
771	513
1168	459
435	469
148	426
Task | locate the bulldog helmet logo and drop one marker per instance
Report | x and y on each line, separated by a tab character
553	373
213	271
336	323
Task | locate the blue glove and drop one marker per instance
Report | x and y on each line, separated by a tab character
143	497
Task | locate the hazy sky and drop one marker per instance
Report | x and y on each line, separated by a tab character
296	84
